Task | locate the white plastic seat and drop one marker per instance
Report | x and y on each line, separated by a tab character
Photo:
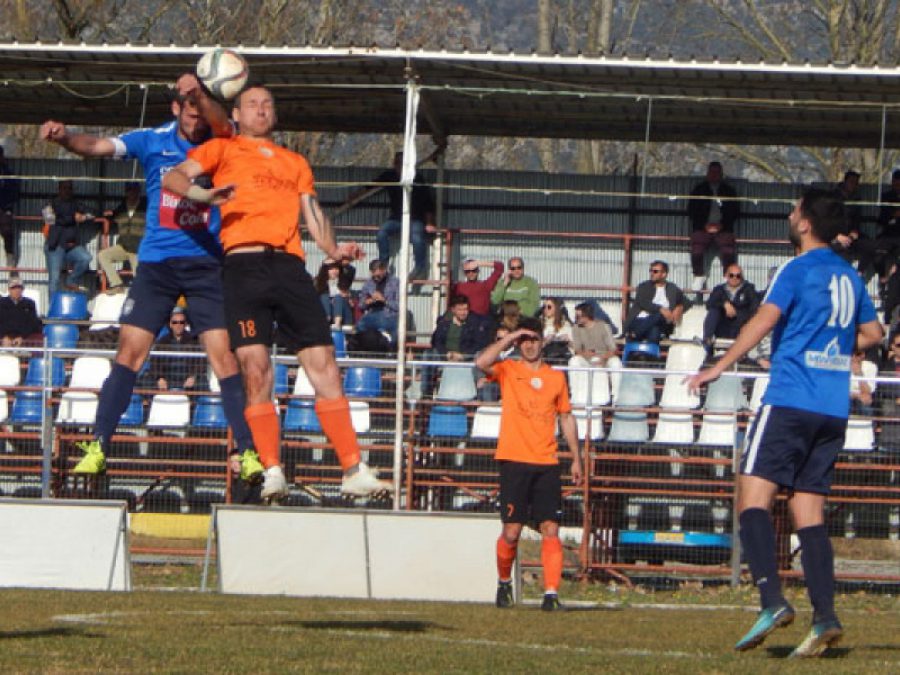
676	395
581	422
302	385
10	370
685	356
590	384
457	384
635	389
169	411
486	423
77	407
759	389
89	372
725	394
214	385
860	435
107	310
691	325
629	427
718	429
674	428
38	297
4	406
360	417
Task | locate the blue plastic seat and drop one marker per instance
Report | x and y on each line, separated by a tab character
34	376
134	413
27	408
362	382
301	416
68	305
61	335
448	421
340	343
281	379
650	348
209	413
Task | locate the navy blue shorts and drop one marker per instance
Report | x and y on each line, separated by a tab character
530	493
158	285
266	289
794	448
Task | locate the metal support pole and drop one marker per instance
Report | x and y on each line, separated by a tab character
46	424
646	146
406	180
881	149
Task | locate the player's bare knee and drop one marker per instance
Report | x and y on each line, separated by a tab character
511	533
549	529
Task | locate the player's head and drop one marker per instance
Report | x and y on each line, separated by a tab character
818	215
530	345
191	124
254	112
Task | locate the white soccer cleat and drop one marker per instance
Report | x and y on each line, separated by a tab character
364	483
274	485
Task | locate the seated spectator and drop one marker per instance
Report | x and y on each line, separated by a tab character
729	306
852	243
890	396
488	391
657	307
510	315
557	331
516	286
887	244
592	342
174	374
19	322
459	335
128	220
380	300
333	283
476	290
861	398
712	223
62	217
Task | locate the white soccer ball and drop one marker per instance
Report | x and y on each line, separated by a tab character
223	71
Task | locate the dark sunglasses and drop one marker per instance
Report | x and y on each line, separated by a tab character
515	267
896	345
177	322
735	276
475	271
654	271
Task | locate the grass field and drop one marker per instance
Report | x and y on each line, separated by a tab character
154	630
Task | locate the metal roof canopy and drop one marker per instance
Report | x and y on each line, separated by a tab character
358	90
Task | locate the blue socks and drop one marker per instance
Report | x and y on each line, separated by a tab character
817	559
758	542
115	395
234	402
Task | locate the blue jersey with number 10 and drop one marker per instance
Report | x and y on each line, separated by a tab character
822	301
176	227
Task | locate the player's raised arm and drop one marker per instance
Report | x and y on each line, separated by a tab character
180	182
491	354
868	335
322	231
85	145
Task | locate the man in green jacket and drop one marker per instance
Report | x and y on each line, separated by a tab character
516	286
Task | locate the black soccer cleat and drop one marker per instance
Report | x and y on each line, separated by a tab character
551	603
505	595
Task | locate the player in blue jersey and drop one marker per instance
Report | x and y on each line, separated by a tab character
179	255
818	311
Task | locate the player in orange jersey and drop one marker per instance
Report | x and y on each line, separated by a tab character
261	190
533	397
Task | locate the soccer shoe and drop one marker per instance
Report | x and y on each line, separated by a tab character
274	486
364	483
505	598
551	603
823	635
251	468
94	461
767	621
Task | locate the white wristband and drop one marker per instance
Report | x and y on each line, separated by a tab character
198	194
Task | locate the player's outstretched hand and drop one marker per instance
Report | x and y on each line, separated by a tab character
349	251
697	380
53	131
220	195
577	476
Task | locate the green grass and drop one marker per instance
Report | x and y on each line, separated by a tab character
186	631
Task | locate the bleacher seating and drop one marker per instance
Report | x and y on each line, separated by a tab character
80	407
34	376
209	413
68	306
61	335
457	384
486	422
107	310
169	411
448	421
362	382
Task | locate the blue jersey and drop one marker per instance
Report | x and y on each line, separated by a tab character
822	301
176	226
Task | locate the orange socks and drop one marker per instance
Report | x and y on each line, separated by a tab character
506	556
263	422
334	416
552	562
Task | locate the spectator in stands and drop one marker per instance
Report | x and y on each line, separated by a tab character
510	314
478	291
9	198
887	245
421	217
712	222
891	296
516	286
63	218
458	336
890	396
380	300
128	220
852	243
333	283
592	342
862	390
729	307
19	322
557	331
657	307
177	373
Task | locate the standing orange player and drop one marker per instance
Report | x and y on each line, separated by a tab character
534	396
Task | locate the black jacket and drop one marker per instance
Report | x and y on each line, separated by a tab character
745	302
698	209
643	299
19	319
474	338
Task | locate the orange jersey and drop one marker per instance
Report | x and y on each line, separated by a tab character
269	180
531	400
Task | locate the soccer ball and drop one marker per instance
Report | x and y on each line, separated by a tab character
223	72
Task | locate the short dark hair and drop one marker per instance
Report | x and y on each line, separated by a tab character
715	164
824	209
894	176
585	308
531	323
250	85
850	173
459	300
377	264
661	263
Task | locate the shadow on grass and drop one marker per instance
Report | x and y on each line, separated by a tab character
58	631
387	625
830	653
